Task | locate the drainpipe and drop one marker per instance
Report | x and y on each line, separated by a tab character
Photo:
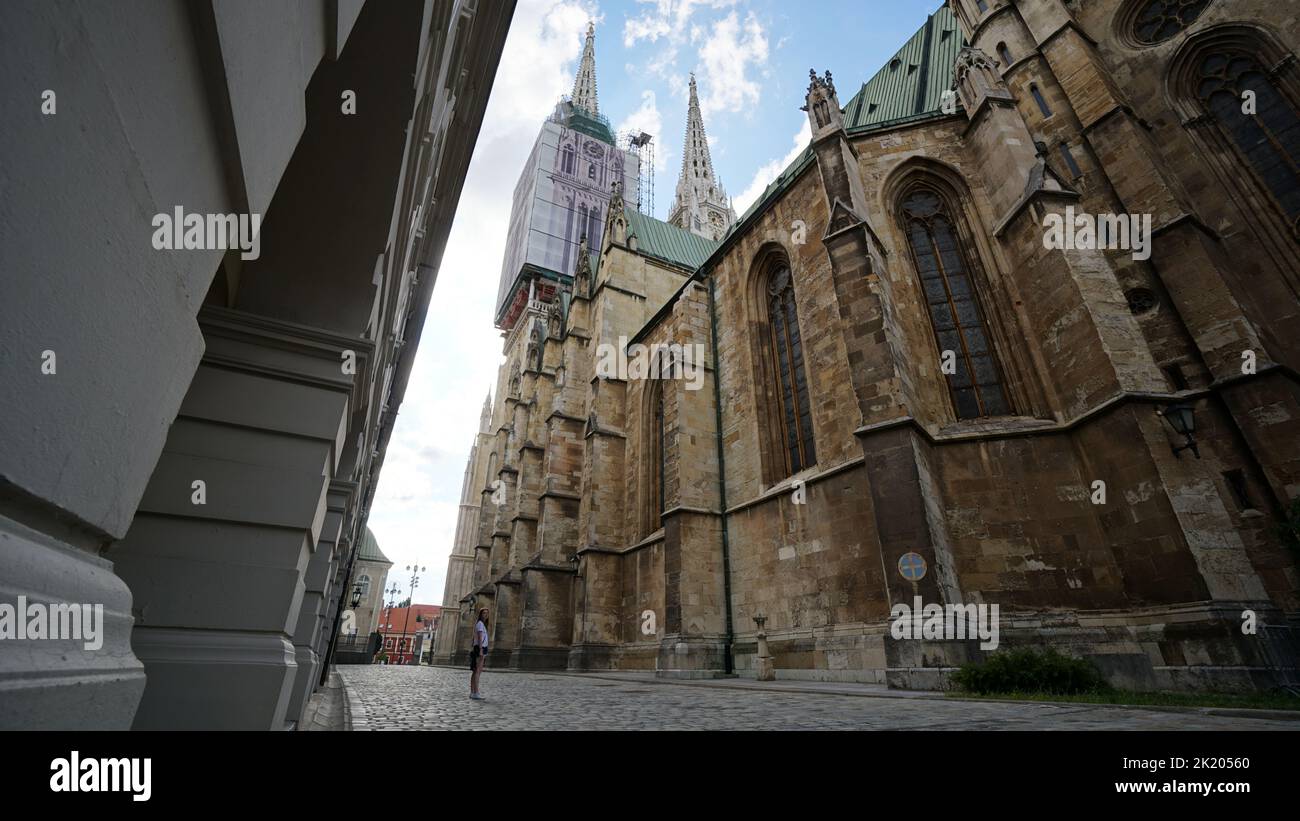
722	479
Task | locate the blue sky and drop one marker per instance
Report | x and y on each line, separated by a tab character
751	59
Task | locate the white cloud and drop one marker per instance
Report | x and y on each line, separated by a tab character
418	497
669	19
771	170
647	118
538	64
731	50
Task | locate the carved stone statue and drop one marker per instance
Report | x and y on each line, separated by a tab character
556	318
534	355
582	273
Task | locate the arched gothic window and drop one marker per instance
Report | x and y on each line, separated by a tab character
655	449
959	328
567	162
1268	137
1158	20
794	411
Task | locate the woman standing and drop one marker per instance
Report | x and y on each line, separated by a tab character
478	653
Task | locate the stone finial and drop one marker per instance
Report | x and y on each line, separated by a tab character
582	270
977	78
815	82
822	105
617	214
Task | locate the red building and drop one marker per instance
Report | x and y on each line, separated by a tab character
404	628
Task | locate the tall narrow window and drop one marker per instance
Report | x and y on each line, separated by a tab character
1236	480
1070	164
567	162
1268	137
655	449
1040	99
792	382
983	6
1004	54
976	382
593	225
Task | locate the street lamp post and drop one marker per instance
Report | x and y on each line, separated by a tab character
416	570
391	593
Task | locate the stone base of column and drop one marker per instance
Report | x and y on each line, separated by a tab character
304	682
62	685
593	657
1194	647
541	658
691	657
210	680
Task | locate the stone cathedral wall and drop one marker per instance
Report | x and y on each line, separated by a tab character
1073	514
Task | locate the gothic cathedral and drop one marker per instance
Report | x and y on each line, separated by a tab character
1023	314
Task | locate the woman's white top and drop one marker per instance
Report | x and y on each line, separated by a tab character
480	636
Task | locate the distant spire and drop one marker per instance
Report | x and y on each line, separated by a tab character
701	206
485	417
584	85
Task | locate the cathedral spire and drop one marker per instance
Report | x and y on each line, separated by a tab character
584	85
701	205
485	416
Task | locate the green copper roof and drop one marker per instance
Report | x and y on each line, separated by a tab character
668	242
912	83
593	125
369	550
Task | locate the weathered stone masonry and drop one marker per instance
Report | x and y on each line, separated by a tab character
1056	106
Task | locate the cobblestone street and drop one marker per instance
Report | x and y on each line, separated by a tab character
437	698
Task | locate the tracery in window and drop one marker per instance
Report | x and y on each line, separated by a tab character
976	384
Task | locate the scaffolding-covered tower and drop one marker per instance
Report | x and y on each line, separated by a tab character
642	144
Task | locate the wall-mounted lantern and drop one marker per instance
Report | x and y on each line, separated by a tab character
1182	418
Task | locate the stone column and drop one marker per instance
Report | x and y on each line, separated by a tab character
320	601
218	553
342	495
306	631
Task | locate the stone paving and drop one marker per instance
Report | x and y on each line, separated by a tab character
437	698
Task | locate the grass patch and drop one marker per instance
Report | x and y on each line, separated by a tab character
1261	701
